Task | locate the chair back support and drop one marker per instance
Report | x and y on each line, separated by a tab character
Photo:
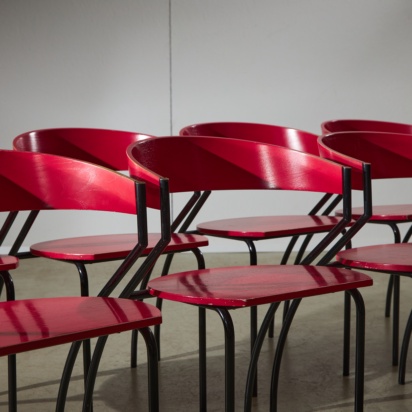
265	133
35	181
100	146
389	154
212	163
360	125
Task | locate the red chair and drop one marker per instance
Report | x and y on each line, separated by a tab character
257	228
33	181
106	148
390	215
209	163
390	156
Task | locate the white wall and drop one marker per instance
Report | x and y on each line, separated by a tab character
106	63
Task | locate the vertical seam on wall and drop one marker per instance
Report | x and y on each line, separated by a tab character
170	69
171	93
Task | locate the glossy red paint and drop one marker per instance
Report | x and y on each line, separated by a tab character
42	182
269	227
266	227
8	262
391	258
100	146
265	133
37	323
390	156
210	163
390	213
106	247
364	125
245	286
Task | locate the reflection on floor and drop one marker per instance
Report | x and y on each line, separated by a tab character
311	378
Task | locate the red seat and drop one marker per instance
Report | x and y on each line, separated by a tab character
210	163
33	181
390	156
390	215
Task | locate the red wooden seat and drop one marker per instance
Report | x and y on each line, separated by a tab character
210	163
390	215
106	148
390	156
34	181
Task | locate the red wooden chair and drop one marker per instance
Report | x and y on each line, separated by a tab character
33	181
390	215
106	148
209	163
390	156
257	228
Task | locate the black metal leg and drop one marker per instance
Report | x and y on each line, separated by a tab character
253	310
67	373
133	349
389	292
395	325
360	349
229	359
84	291
346	333
202	361
12	382
278	354
166	267
152	371
251	376
404	351
253	336
7	280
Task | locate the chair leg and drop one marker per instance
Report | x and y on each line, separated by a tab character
7	281
346	333
360	349
166	267
152	362
67	373
395	322
251	376
202	361
389	292
404	351
12	382
84	291
229	359
278	354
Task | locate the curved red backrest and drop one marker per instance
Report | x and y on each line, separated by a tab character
390	154
100	146
359	125
265	133
212	163
36	181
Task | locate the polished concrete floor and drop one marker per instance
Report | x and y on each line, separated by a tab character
311	378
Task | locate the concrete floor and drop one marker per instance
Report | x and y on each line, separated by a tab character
311	378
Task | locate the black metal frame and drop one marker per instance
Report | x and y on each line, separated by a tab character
224	314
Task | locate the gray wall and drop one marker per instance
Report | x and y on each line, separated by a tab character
155	66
